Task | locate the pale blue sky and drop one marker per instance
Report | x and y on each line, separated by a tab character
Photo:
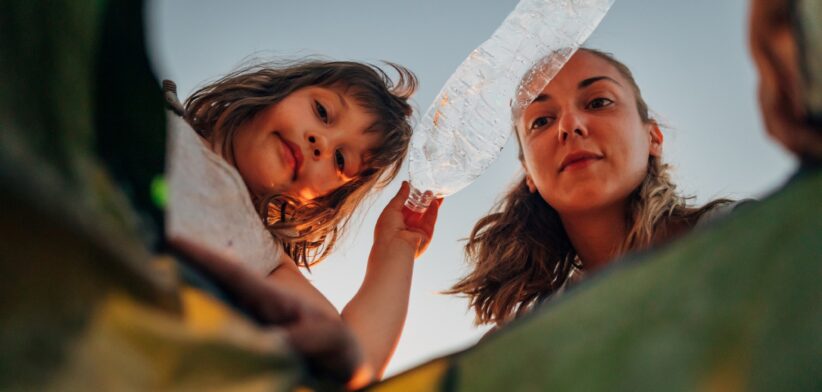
689	58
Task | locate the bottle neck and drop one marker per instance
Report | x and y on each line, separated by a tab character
418	201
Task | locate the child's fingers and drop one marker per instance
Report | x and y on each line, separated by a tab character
429	219
423	228
400	197
328	343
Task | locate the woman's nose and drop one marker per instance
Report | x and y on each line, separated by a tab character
317	145
570	125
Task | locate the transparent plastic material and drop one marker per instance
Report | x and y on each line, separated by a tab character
469	122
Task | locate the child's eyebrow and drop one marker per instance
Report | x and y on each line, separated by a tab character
343	101
362	165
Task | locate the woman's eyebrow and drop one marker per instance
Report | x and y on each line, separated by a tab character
587	82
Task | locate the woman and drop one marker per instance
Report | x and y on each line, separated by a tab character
594	188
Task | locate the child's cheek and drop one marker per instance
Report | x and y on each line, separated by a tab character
325	184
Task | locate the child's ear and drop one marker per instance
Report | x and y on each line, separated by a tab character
657	138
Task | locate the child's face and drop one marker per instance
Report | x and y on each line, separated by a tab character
584	144
307	145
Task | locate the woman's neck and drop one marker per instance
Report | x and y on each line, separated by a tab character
596	236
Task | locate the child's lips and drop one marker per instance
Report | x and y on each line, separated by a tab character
293	156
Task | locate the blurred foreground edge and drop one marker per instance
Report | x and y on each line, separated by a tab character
88	300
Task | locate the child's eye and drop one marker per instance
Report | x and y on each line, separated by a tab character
540	122
599	103
321	111
339	159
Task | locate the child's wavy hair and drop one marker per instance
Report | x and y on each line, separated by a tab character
308	229
521	252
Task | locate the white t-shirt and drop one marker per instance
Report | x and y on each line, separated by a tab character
209	203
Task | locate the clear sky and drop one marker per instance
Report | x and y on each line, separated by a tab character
689	58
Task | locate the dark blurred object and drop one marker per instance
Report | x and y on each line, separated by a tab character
86	302
129	119
808	32
786	46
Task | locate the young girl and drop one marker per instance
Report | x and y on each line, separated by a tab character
310	141
594	188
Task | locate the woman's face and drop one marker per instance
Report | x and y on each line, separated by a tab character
585	146
307	145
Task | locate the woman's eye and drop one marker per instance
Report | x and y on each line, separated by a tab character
599	103
321	111
540	122
339	159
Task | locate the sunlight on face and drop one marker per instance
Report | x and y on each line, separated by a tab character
307	145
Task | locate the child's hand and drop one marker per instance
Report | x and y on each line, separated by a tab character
391	229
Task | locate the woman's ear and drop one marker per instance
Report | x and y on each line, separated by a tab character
530	182
656	139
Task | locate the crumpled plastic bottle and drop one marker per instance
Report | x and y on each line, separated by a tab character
469	122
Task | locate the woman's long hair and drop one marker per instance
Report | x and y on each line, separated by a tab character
521	252
308	229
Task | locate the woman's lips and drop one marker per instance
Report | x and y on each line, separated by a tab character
293	156
578	159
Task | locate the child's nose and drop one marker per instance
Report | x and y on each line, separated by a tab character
318	145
